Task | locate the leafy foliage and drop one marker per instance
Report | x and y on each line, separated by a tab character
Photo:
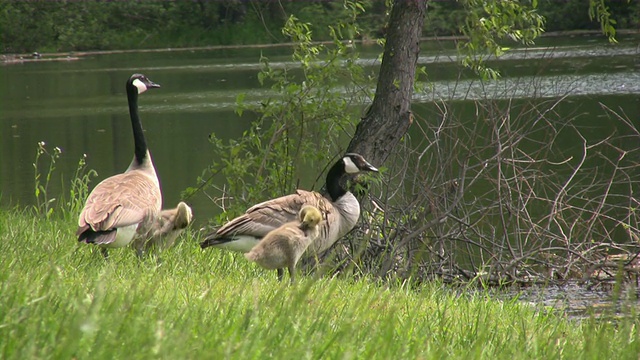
303	127
489	23
599	10
27	26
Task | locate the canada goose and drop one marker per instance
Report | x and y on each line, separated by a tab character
284	246
163	232
340	211
119	204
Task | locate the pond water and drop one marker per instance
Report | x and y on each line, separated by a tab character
80	106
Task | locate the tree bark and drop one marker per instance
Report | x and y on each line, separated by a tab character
389	116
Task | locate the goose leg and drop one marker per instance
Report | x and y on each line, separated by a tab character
292	273
105	253
280	274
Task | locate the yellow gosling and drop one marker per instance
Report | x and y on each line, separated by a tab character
284	246
163	232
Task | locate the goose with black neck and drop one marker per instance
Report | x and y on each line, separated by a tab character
120	205
340	211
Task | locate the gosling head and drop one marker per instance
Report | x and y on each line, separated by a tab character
184	215
309	216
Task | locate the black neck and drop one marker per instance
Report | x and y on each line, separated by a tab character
334	188
138	135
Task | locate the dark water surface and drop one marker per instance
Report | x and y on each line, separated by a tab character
80	106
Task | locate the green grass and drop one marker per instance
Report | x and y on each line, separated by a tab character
61	300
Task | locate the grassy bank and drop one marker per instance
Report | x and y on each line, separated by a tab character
60	300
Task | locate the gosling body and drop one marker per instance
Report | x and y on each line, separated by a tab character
162	233
282	248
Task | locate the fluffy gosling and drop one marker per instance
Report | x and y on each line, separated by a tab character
284	246
164	231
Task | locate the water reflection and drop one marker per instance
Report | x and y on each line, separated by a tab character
81	107
578	301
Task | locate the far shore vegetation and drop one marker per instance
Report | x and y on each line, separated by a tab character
64	26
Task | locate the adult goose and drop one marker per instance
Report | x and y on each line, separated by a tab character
340	211
120	204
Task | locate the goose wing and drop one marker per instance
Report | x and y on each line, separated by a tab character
120	200
261	218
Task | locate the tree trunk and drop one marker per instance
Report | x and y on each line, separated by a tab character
389	116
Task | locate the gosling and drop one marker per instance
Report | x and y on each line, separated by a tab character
164	231
284	246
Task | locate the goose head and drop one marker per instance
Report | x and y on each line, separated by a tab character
355	163
141	83
351	164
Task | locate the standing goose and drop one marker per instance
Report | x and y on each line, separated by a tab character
284	246
121	203
340	210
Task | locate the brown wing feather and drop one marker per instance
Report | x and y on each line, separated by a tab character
121	200
260	219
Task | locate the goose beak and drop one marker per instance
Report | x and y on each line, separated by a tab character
369	167
151	84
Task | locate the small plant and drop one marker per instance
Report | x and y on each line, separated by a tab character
79	188
43	202
79	185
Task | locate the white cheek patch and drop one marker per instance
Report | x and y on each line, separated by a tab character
140	85
349	166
